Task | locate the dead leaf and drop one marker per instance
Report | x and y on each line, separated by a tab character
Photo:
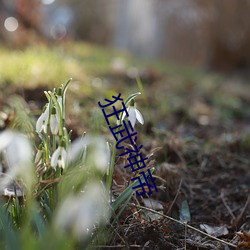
245	236
155	205
215	231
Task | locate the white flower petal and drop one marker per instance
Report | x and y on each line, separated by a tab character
19	151
18	155
59	157
5	139
77	148
42	121
59	99
63	158
54	124
44	127
132	116
139	116
39	123
55	156
38	156
61	163
124	113
79	214
101	155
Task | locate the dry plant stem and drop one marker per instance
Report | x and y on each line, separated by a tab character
117	246
57	180
184	224
185	242
239	217
173	202
50	184
227	207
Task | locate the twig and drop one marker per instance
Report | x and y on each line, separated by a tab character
175	198
48	185
184	224
117	246
227	207
185	242
239	217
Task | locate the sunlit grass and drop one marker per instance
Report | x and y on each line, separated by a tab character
42	64
37	65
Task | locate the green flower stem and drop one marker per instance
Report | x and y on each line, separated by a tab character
54	142
63	100
111	170
47	140
66	136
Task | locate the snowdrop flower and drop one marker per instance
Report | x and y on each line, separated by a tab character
100	155
59	157
17	152
134	114
54	121
39	154
59	97
98	152
42	122
79	214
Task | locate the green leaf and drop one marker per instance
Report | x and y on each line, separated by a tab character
11	237
185	212
39	222
124	195
65	87
132	96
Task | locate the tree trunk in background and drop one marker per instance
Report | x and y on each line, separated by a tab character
229	35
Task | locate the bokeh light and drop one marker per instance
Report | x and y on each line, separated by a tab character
11	24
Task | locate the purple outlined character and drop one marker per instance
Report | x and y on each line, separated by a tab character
130	151
116	112
146	183
120	132
136	160
116	98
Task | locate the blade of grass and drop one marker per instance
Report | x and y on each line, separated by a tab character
11	237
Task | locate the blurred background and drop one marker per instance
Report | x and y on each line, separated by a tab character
211	34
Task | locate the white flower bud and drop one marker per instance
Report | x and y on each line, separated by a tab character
54	122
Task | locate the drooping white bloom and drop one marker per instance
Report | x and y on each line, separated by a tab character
39	154
59	99
79	214
59	157
42	122
98	152
134	114
101	154
54	121
17	152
